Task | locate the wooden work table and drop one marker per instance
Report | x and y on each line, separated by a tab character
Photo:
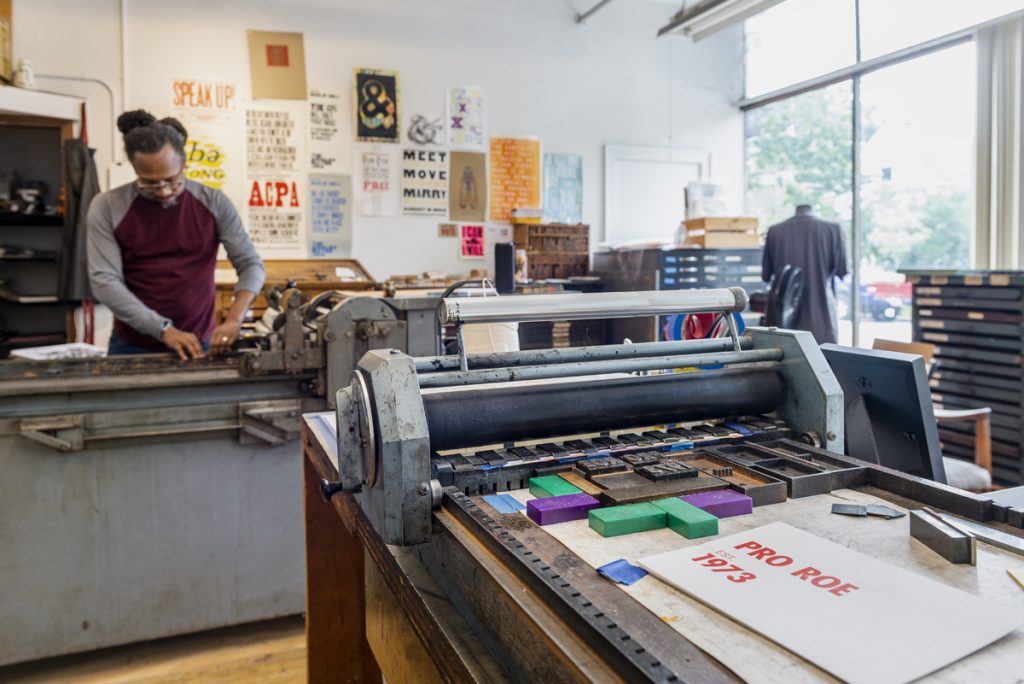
372	607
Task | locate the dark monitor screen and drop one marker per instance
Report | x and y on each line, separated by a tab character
888	408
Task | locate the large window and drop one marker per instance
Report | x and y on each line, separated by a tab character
907	120
796	40
917	175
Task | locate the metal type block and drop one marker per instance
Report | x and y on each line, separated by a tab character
1015	517
1002	540
763	489
850	509
582	446
620	480
884	512
492	457
555	450
641	458
557	509
667	470
599	466
659	436
526	454
954	545
607	443
661	490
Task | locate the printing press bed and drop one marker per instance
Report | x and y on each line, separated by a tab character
413	574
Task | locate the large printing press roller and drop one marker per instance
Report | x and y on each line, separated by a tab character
410	429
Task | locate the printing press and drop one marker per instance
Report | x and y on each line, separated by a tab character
140	464
483	595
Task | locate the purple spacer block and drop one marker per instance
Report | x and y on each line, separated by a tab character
721	503
556	509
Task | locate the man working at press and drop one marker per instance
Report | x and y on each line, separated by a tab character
152	249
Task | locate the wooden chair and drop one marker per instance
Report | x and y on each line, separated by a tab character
981	417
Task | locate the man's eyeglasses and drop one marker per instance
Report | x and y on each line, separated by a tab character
147	187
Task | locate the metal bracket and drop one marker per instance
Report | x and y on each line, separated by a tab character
63	433
273	422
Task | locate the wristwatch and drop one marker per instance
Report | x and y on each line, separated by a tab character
164	326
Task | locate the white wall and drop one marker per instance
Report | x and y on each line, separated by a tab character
609	81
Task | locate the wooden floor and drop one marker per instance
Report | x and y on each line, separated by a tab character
272	651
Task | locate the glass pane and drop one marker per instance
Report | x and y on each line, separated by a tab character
798	151
917	181
797	40
890	25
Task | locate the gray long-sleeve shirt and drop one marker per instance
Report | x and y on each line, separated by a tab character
150	263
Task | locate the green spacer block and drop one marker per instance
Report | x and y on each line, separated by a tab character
626	519
688	520
551	485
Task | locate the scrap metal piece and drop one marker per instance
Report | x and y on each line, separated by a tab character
883	512
955	544
849	509
1001	540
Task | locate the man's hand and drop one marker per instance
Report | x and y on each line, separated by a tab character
185	344
223	336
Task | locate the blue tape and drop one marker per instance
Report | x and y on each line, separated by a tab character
680	446
622	571
504	503
738	428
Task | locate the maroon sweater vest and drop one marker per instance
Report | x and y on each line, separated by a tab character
168	255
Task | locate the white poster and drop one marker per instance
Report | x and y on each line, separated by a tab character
858	618
275	215
202	100
424	182
275	138
326	145
466	118
376	182
275	145
330	221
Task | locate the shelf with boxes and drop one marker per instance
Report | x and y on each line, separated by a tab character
553	250
975	320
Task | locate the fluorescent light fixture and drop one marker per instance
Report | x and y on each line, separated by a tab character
711	16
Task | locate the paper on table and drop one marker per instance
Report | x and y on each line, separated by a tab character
910	625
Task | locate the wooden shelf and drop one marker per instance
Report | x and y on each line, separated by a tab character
25	102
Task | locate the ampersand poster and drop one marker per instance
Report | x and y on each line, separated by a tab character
376	100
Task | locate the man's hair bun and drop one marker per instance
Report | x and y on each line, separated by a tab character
134	119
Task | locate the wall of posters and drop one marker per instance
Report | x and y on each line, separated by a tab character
515	176
376	100
377	179
465	121
472	243
330	223
467	186
326	146
563	188
277	65
200	100
424	182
